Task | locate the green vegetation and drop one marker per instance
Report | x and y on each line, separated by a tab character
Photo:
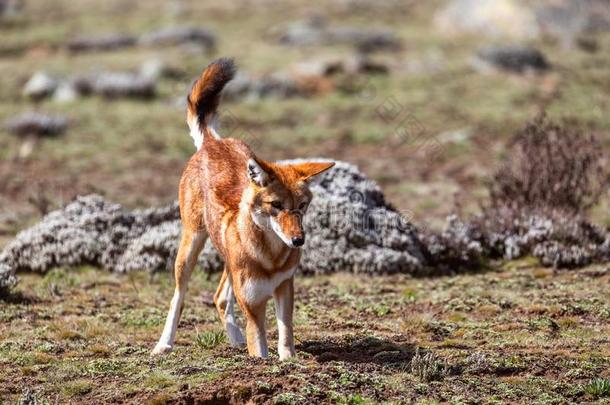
598	388
210	339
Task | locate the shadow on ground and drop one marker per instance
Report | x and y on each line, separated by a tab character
361	349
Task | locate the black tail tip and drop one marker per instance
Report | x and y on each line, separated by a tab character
225	67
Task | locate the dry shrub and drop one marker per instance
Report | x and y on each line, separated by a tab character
538	200
551	166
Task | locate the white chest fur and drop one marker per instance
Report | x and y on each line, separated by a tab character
256	290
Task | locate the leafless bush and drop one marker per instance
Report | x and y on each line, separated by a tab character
551	166
552	175
457	247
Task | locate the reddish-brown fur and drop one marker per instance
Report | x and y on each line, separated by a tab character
219	198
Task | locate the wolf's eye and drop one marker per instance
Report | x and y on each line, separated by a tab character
276	204
303	205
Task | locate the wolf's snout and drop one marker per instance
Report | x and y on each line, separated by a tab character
297	241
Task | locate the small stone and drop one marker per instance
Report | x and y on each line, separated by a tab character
39	86
513	59
66	92
152	69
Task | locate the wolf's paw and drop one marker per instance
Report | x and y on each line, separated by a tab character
286	353
160	349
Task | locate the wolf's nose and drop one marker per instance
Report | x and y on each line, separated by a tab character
297	241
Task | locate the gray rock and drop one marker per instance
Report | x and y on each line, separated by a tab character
11	8
567	19
154	69
356	64
556	239
66	92
511	58
35	123
349	227
493	18
7	278
40	85
522	20
104	42
117	85
317	32
278	84
178	36
556	254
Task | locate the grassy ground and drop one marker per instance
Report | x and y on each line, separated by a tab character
513	334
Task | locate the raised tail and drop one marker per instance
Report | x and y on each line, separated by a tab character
204	99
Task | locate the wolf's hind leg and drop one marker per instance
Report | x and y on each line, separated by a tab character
191	244
225	304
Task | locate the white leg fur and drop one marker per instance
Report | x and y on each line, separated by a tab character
166	341
236	338
260	342
283	311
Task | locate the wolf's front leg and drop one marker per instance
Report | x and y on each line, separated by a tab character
256	336
284	306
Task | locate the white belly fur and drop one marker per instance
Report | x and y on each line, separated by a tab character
260	289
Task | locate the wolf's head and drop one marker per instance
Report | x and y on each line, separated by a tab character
281	196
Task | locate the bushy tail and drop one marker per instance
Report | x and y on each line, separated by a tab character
204	99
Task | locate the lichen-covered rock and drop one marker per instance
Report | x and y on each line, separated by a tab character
492	18
179	36
349	227
456	247
104	42
511	58
555	238
7	278
317	31
39	86
35	123
119	84
556	254
524	20
278	84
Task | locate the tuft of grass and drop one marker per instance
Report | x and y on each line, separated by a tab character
159	379
101	367
288	398
78	387
353	399
598	388
210	339
428	367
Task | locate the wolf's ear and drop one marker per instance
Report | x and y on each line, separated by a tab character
257	174
309	169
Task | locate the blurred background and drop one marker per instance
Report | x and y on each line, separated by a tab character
422	96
